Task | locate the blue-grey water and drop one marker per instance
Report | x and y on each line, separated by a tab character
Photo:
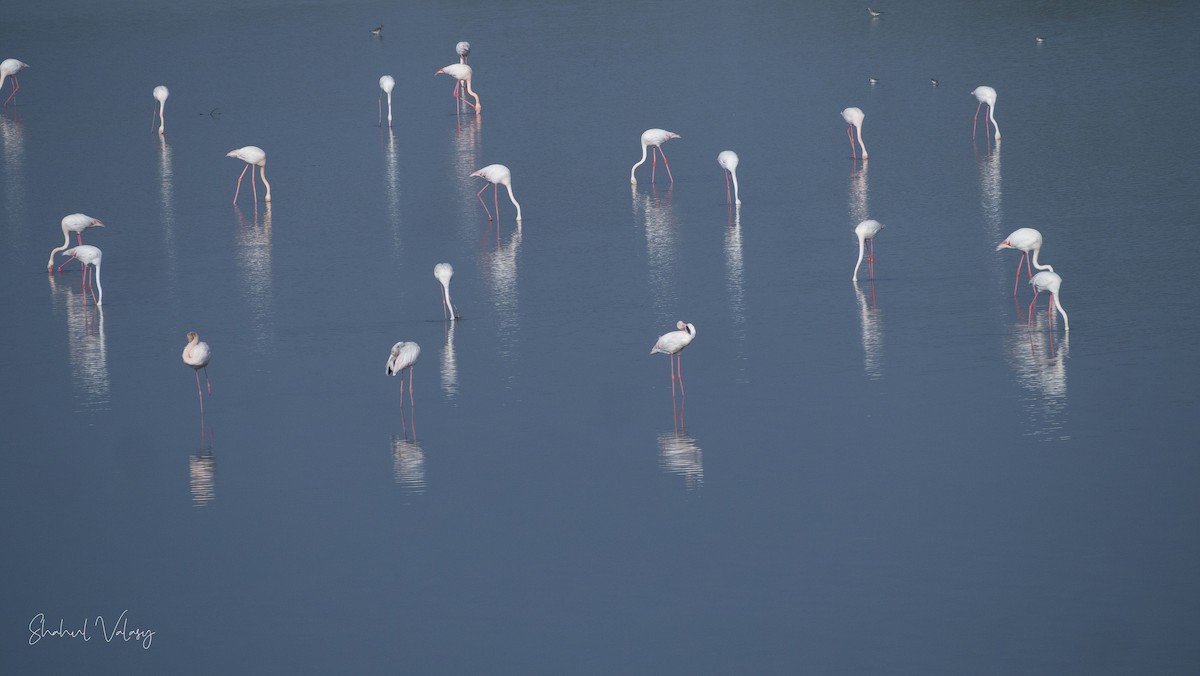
906	476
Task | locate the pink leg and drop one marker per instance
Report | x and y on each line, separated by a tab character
411	410
253	185
1018	277
653	162
496	201
853	150
199	391
667	165
479	196
1050	310
728	199
976	120
871	260
682	395
16	88
239	183
1029	311
671	359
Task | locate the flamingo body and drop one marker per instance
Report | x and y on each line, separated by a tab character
497	175
89	255
674	342
160	94
985	95
386	83
854	118
253	156
653	138
404	355
1027	241
463	73
73	223
443	272
866	231
729	162
1048	280
197	355
10	67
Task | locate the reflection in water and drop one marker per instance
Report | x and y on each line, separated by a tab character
166	192
872	332
858	194
500	271
254	264
467	137
1042	370
449	365
679	454
408	464
735	276
89	354
990	194
202	473
392	176
14	173
661	234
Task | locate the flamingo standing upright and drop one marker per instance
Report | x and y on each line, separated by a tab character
88	255
11	67
672	344
404	355
729	162
496	175
463	74
386	84
1025	240
197	355
443	272
1048	280
866	231
854	118
654	138
160	94
252	156
986	95
73	223
463	49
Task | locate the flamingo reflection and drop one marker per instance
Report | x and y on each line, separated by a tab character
408	464
254	265
734	281
678	454
88	345
662	231
1040	366
500	272
449	364
872	332
202	477
672	344
13	137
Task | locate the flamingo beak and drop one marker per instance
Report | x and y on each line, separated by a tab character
1002	245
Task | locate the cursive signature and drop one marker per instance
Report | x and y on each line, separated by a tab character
120	628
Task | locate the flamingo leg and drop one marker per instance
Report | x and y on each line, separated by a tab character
728	199
200	392
682	395
412	411
207	382
1029	312
976	120
253	185
92	287
853	150
496	202
16	88
671	359
1018	277
871	260
653	162
479	196
667	164
238	191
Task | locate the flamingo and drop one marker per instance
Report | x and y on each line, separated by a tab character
985	95
1026	240
404	355
73	223
497	175
464	50
866	231
461	72
386	83
196	354
671	344
1048	280
88	255
252	156
11	67
854	118
728	161
443	272
160	94
654	137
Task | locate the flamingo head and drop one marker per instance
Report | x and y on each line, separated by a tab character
96	223
672	134
1003	245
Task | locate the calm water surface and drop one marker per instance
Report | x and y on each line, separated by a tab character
907	476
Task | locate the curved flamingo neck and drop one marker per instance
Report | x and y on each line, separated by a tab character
472	93
262	171
508	185
1039	266
992	117
861	243
100	287
632	177
162	121
449	304
736	199
1061	311
66	243
858	130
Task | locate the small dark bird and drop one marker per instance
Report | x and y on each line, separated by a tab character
874	12
377	31
934	82
874	81
1039	39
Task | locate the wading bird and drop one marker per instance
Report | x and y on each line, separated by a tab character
1047	280
865	232
496	175
160	94
443	272
1026	240
462	73
89	255
11	67
985	95
854	118
253	156
729	161
654	138
386	84
74	223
